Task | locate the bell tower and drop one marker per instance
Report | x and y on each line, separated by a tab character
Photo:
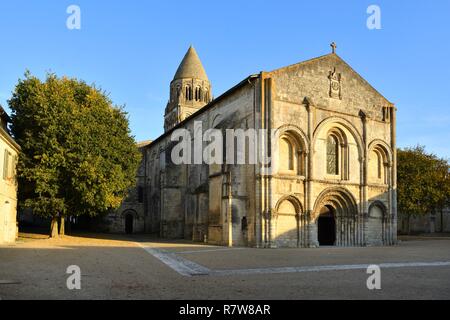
190	90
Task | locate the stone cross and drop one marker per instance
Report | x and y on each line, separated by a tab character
333	47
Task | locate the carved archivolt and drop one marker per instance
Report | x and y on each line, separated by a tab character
340	199
293	200
334	121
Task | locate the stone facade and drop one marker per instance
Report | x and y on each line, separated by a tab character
336	183
9	152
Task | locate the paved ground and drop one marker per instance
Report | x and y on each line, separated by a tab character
115	267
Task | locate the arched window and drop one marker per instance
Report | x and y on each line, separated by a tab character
196	94
332	155
378	165
188	93
286	155
291	155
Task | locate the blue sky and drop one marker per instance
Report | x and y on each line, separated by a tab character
132	49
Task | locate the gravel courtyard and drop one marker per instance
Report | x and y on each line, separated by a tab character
139	267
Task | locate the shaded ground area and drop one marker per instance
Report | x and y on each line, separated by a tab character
142	267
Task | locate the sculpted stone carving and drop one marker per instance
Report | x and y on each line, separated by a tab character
335	84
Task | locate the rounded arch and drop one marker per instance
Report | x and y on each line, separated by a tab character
287	221
379	204
336	152
129	216
216	120
293	200
379	162
340	199
131	212
198	93
340	135
346	124
291	148
382	146
188	92
287	149
296	133
377	222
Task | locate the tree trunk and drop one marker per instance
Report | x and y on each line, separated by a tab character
62	226
54	227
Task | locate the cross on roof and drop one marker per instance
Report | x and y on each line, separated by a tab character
333	47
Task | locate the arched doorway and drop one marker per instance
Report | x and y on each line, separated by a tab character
375	223
288	223
129	223
326	227
336	216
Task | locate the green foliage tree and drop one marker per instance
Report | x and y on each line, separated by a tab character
78	156
423	182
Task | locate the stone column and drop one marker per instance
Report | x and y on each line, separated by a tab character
267	104
309	175
228	221
272	228
262	174
394	174
258	207
387	219
364	187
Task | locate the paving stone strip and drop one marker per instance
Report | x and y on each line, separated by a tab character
189	268
326	268
181	265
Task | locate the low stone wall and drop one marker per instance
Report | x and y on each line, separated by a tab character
427	223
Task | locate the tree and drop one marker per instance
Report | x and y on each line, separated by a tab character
78	156
423	182
441	176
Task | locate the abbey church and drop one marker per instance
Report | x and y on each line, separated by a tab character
336	183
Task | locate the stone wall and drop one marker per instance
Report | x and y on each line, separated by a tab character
306	109
436	222
244	204
192	201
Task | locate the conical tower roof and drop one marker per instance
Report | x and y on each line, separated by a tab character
191	67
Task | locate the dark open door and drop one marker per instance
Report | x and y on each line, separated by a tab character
129	223
326	227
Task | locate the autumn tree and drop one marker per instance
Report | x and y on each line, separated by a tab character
423	182
78	156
